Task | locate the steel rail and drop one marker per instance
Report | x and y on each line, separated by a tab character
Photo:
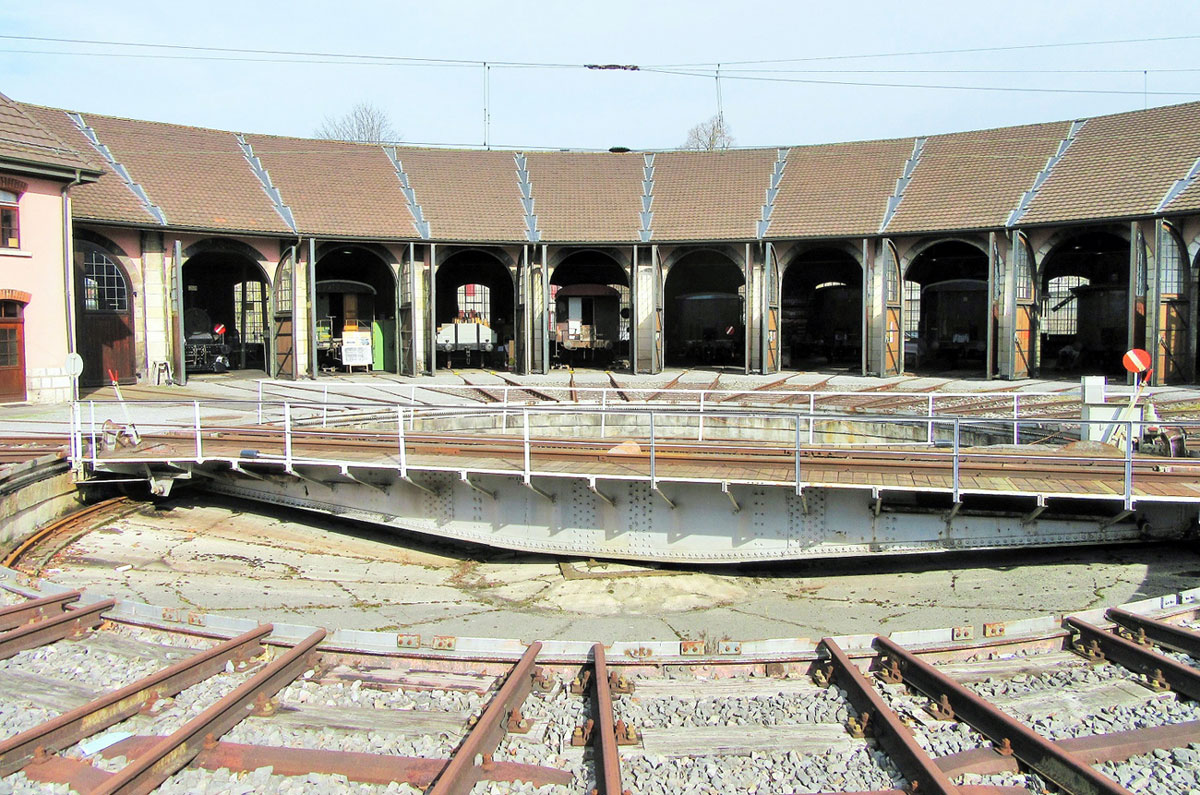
49	630
461	773
174	752
1050	761
897	739
1162	633
607	760
36	610
1160	670
114	707
55	526
1093	749
365	768
881	456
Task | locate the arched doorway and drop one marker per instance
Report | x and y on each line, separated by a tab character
474	312
1085	305
946	311
821	310
12	351
355	310
226	298
590	310
703	304
105	319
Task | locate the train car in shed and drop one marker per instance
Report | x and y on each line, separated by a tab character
587	322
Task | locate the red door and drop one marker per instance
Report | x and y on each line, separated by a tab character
105	337
12	352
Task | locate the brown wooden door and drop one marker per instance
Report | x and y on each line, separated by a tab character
1173	342
1022	340
12	352
283	347
893	363
105	333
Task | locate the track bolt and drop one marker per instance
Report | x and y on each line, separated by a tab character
1157	681
942	709
823	675
264	707
517	723
620	685
1005	748
210	742
890	672
488	762
859	726
543	683
39	755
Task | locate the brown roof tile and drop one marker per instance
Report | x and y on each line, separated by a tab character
107	199
975	179
24	139
335	188
467	195
837	189
710	195
587	197
1120	165
198	177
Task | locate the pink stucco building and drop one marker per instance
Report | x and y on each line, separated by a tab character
37	171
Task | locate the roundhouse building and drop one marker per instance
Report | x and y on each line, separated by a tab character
1003	253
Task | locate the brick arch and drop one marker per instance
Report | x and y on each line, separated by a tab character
20	296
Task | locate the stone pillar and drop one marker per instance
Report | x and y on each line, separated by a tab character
156	286
647	309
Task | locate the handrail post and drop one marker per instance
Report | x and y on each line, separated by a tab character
287	436
653	471
325	406
1129	466
603	411
400	442
700	433
812	414
797	451
929	425
260	402
196	415
1016	420
957	484
525	444
95	449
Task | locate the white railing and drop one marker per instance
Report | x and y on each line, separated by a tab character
587	427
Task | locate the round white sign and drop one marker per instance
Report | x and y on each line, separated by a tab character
73	365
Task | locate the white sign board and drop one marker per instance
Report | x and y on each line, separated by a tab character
356	348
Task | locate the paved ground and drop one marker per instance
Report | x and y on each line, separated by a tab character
280	565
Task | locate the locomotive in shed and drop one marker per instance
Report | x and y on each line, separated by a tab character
952	328
710	328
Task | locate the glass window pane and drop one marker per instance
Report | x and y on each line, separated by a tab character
104	288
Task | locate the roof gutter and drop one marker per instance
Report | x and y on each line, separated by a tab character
68	271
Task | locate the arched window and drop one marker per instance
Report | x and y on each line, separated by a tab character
1172	269
10	226
1060	309
283	287
104	288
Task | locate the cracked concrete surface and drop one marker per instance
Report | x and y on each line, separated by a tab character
279	565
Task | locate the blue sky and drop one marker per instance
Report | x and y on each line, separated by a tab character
571	107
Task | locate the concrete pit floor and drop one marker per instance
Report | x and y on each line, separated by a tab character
274	564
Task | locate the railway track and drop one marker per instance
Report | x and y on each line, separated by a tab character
109	707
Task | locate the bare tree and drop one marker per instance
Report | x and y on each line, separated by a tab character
363	122
709	135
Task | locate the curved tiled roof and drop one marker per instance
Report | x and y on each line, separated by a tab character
1116	166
